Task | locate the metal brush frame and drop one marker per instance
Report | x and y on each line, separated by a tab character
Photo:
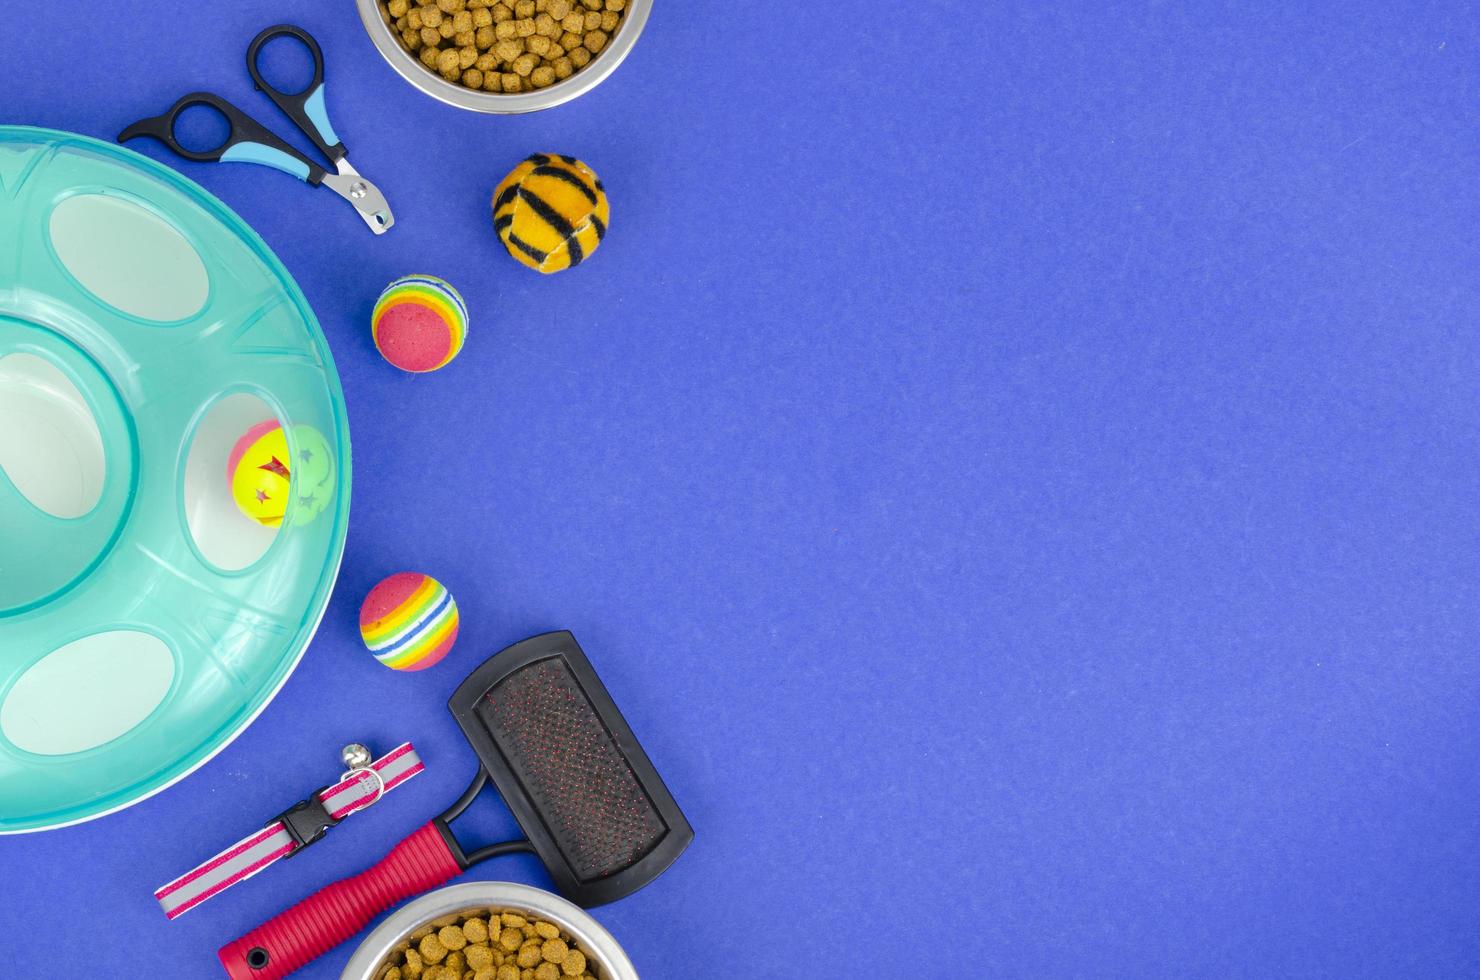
463	704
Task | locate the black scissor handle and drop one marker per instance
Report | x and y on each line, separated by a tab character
247	141
305	108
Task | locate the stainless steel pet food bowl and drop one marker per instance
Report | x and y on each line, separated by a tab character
593	940
409	67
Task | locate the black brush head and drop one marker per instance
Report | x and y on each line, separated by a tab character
570	769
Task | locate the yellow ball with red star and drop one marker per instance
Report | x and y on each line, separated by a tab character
272	479
258	468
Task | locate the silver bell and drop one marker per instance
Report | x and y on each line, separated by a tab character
356	756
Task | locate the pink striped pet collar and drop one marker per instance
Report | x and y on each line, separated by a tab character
292	830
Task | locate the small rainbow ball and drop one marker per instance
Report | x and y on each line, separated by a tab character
258	471
419	323
409	621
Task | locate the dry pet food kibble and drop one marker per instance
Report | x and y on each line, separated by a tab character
488	945
507	46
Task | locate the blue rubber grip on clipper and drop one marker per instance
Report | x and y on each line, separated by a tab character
265	156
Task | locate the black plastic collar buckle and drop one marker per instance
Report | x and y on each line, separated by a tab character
307	821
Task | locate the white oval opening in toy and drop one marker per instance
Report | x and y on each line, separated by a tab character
236	481
129	257
50	448
87	692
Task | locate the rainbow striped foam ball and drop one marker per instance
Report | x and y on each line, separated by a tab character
419	323
409	621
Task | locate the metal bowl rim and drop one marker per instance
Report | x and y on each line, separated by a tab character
590	935
408	67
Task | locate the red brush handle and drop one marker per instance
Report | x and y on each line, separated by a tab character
338	911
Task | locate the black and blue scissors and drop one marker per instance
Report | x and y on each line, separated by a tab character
248	141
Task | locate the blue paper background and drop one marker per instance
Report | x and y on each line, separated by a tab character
1014	468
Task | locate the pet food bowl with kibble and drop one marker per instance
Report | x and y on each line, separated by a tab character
605	957
373	15
145	618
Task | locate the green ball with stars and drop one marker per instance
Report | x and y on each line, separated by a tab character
314	478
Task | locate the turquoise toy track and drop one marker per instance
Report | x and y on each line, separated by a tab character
145	620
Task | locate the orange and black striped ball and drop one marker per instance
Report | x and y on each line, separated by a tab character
551	212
